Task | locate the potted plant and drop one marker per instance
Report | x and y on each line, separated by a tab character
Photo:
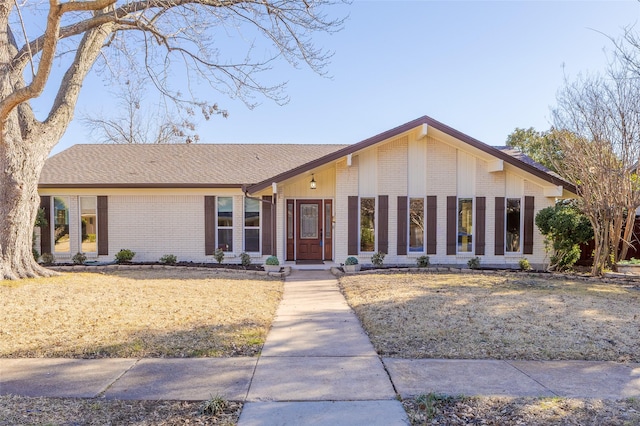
630	267
351	265
272	264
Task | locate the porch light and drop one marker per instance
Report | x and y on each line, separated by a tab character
312	184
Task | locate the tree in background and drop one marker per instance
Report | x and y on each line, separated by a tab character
564	228
597	129
539	146
137	122
161	39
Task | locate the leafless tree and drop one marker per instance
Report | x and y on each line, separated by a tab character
161	35
597	129
135	121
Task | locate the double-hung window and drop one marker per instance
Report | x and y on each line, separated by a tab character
465	225
61	239
513	225
367	224
251	225
225	223
416	225
88	224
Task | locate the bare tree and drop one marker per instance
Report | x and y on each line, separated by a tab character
597	129
161	35
136	122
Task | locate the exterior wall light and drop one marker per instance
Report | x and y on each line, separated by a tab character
313	184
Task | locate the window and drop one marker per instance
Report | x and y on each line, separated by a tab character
512	224
416	225
225	223
251	225
61	241
88	224
465	225
368	224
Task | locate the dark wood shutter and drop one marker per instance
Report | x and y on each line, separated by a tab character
267	228
45	230
529	206
481	207
383	223
401	248
498	249
352	223
210	224
432	224
452	224
103	225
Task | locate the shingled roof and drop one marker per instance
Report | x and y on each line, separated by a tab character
179	165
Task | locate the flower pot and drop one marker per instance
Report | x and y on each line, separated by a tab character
351	269
271	268
630	269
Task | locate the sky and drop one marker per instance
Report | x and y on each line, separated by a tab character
483	68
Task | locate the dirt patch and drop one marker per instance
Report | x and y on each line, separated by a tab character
137	313
433	409
16	410
511	316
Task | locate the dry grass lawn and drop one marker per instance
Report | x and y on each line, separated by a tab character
516	316
17	410
137	313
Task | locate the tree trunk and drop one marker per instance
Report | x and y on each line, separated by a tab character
20	167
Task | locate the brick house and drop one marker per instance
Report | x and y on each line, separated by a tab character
422	188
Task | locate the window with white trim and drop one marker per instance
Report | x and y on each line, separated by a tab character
251	225
88	224
225	223
513	225
367	224
465	225
416	225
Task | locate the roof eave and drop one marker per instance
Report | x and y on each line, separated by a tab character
405	128
138	185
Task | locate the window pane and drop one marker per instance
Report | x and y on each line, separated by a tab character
61	240
367	224
513	225
465	225
225	211
251	212
251	240
308	221
327	221
88	223
416	225
290	221
225	239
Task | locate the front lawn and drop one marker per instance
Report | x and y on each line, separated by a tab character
515	316
137	313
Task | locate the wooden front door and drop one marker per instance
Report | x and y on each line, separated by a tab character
309	230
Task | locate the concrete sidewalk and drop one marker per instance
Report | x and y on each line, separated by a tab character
317	367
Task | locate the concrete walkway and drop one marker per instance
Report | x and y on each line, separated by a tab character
317	367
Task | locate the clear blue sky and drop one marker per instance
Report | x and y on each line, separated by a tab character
483	68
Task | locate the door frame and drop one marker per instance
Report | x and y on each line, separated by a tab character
291	226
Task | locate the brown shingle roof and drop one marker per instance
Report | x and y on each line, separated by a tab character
194	165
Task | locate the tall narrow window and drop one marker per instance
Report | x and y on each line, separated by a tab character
89	224
465	225
61	241
367	224
225	223
416	225
512	224
251	225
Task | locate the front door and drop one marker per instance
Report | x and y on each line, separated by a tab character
309	230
